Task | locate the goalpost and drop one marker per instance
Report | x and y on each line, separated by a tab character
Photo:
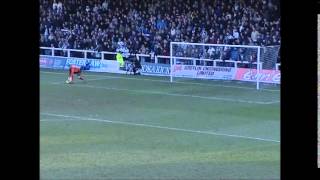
256	64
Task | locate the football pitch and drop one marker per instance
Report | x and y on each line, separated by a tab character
114	126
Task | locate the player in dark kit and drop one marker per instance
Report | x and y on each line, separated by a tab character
78	71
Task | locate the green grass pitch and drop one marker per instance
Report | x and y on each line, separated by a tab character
114	126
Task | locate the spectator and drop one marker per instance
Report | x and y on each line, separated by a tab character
59	7
54	5
87	8
105	5
235	54
151	26
254	35
235	33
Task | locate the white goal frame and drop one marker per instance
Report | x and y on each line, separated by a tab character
224	45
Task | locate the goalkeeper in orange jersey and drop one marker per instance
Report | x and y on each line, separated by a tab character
78	71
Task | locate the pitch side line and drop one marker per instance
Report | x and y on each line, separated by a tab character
171	94
158	127
145	79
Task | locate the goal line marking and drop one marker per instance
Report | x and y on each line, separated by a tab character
176	82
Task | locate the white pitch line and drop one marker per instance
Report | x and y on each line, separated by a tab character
173	94
45	120
96	79
176	82
158	127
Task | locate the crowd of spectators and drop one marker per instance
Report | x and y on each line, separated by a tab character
148	26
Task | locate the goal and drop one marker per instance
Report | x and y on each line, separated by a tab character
253	65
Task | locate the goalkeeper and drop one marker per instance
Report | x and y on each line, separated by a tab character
77	70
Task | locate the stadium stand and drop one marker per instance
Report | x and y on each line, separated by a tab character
149	26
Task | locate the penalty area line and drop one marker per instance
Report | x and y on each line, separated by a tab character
158	127
173	94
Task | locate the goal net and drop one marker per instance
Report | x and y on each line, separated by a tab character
249	65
